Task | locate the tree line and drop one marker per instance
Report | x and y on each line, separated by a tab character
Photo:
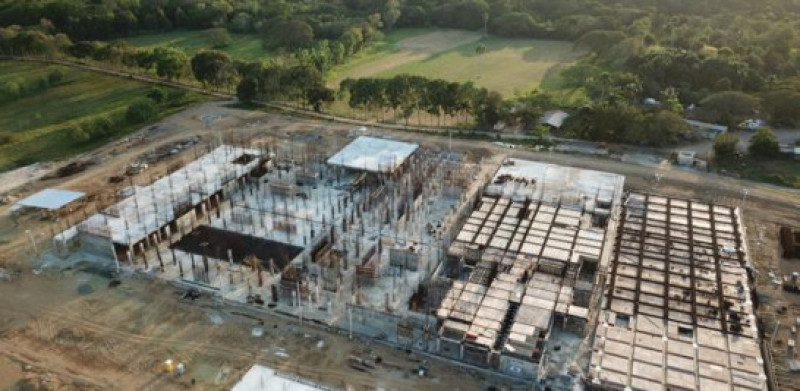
301	80
727	60
406	95
763	144
282	24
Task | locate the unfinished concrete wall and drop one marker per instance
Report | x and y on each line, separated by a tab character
450	348
403	257
96	245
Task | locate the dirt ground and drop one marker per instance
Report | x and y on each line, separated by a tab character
779	310
54	337
76	332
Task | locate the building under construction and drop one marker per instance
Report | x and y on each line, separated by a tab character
510	265
678	311
170	206
359	227
530	257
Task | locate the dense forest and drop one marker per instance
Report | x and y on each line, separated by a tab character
733	59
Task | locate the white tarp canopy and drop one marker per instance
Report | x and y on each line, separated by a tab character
554	118
261	378
50	199
373	154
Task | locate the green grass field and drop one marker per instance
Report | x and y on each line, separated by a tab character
37	123
246	47
508	65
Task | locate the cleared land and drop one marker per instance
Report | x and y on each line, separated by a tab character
37	123
71	331
243	46
507	66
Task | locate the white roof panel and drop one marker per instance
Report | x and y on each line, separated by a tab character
373	154
51	199
260	378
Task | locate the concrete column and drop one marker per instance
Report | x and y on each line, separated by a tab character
205	267
114	253
194	273
143	249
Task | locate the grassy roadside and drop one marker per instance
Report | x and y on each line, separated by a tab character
781	171
35	125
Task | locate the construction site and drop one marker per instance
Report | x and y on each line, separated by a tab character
354	232
527	269
505	264
679	308
518	272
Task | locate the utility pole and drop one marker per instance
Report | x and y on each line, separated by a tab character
450	142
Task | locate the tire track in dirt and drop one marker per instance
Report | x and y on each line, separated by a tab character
336	376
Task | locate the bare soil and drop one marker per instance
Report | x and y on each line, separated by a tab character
118	338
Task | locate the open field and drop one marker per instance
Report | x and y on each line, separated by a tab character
507	66
37	122
402	47
246	47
